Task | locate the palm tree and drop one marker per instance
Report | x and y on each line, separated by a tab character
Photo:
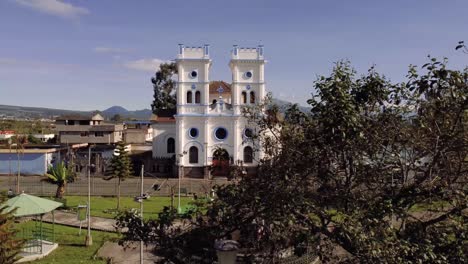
59	175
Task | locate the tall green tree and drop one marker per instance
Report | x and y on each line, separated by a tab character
60	175
121	167
116	118
164	87
376	169
10	245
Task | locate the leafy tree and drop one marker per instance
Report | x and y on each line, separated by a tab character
461	46
10	245
116	118
60	175
121	167
376	170
164	87
33	140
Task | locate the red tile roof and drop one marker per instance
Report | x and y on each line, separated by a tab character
214	86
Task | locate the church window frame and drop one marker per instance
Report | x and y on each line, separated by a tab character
189	97
248	155
193	74
218	133
193	155
170	145
247	133
252	97
197	97
244	97
193	132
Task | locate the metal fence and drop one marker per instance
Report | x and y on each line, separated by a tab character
130	187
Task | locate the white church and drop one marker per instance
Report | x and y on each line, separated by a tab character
208	133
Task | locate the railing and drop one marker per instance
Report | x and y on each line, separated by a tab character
129	187
192	109
35	236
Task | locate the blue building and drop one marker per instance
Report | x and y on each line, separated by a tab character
31	161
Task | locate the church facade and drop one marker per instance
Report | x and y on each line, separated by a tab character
208	133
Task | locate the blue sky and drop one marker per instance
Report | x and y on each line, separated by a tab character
94	54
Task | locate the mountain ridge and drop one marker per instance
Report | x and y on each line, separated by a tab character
29	112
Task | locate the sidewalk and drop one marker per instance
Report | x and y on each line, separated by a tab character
71	219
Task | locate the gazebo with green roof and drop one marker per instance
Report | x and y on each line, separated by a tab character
25	205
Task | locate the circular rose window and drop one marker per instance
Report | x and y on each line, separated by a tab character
193	74
221	133
193	132
248	133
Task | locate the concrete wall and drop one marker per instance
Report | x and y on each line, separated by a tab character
138	136
161	133
75	137
30	163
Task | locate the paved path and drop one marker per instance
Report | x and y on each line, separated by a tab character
116	254
71	219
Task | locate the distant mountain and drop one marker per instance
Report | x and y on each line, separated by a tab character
119	110
24	112
114	110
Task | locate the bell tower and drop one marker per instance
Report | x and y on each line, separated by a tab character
248	78
193	65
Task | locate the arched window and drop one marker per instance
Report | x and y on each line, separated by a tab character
170	145
248	154
252	97
189	97
197	97
244	97
193	155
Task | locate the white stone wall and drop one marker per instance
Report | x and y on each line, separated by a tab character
206	141
161	133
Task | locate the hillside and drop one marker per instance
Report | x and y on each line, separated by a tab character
25	112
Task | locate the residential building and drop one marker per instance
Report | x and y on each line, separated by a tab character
138	132
73	129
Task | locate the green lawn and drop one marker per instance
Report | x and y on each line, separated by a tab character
71	245
105	206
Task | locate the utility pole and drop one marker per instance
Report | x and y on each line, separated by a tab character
89	238
141	211
9	164
179	175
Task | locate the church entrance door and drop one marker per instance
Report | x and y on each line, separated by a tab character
220	163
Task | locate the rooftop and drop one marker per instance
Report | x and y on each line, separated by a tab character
94	117
215	85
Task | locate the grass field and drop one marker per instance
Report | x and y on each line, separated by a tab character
105	206
71	245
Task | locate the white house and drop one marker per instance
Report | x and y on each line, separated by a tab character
208	129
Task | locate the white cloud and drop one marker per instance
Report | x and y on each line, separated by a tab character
150	65
54	7
110	50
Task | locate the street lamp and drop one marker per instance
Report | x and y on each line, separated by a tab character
89	238
179	176
140	200
9	162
